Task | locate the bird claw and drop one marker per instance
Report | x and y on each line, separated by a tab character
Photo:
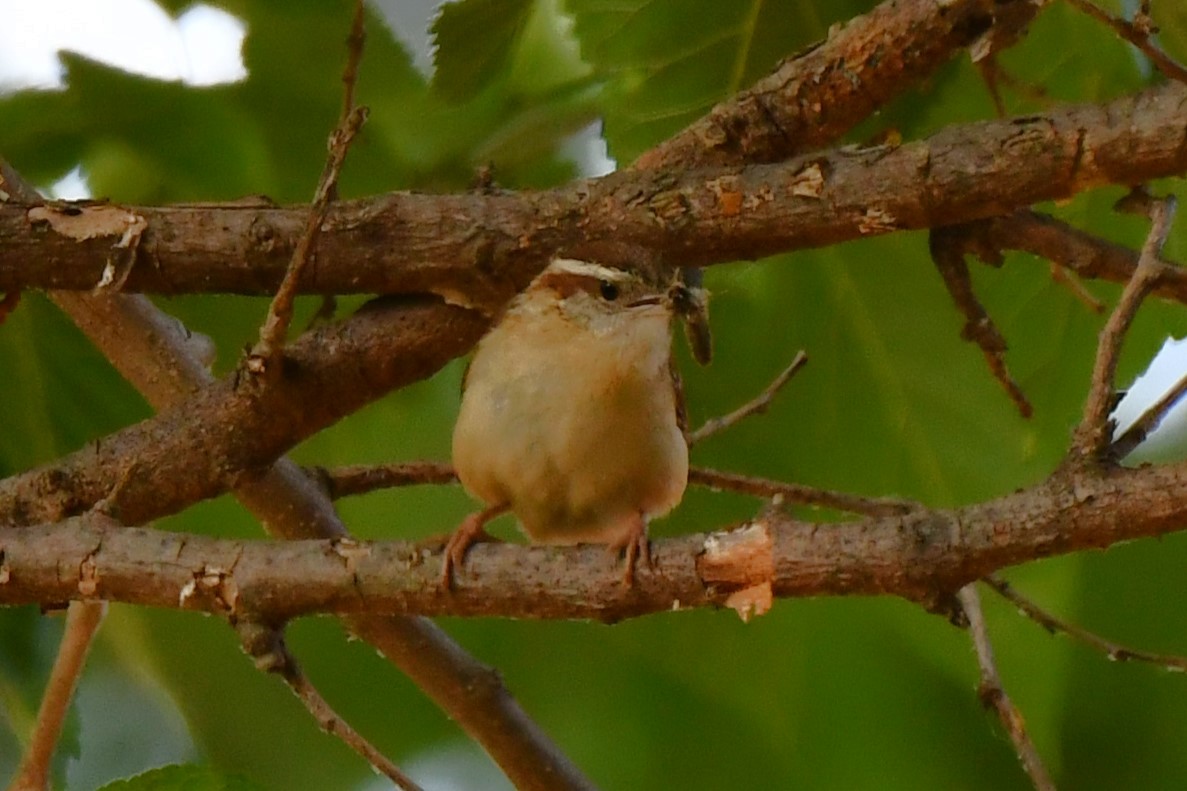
636	545
471	531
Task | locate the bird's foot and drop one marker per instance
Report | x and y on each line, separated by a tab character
636	546
469	532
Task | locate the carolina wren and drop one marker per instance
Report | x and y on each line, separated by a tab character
572	415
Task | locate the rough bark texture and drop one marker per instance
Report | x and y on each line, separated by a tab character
814	97
925	556
210	441
478	249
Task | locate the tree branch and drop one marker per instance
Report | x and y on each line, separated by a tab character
1082	253
757	405
483	247
944	179
814	97
1115	652
156	354
924	556
355	479
1148	421
947	246
993	693
797	493
82	622
280	313
1138	33
1095	432
266	645
231	431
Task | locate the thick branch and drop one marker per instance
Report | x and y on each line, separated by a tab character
816	96
924	556
228	432
480	248
959	174
153	352
809	100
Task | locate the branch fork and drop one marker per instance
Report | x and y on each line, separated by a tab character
793	122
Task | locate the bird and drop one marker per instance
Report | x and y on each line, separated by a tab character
572	413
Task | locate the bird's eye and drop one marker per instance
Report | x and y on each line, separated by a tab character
608	290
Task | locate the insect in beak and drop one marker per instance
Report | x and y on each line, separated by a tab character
690	301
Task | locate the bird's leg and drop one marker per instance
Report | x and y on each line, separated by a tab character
471	530
635	544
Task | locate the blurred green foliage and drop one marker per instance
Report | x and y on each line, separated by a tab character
179	777
817	694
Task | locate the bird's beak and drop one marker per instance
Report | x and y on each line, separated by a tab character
655	299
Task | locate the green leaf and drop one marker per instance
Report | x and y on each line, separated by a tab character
146	140
1132	594
183	777
68	394
474	41
113	123
892	402
666	62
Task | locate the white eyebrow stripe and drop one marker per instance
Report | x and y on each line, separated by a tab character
588	269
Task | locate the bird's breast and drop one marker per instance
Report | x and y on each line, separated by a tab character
575	433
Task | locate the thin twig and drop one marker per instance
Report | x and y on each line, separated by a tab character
266	646
357	479
796	493
1138	33
1063	276
1148	421
361	479
1095	430
1073	250
280	312
355	40
991	74
948	247
992	693
756	405
995	77
1114	651
82	622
